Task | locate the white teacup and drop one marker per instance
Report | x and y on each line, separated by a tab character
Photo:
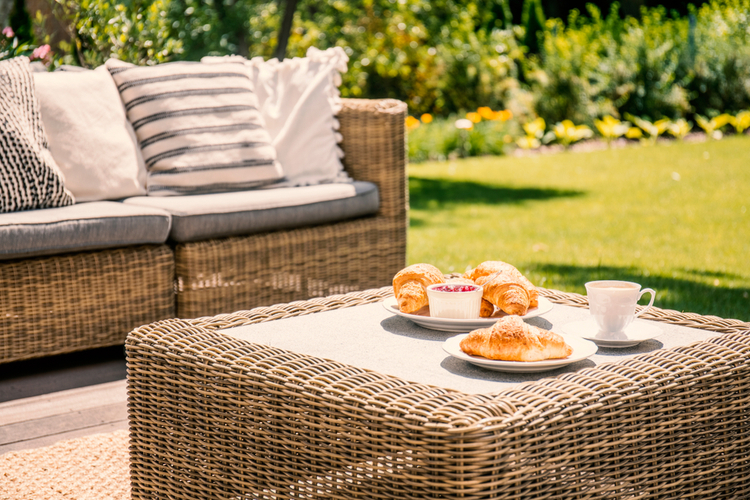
612	303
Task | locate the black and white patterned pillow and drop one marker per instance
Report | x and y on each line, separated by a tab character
198	127
29	177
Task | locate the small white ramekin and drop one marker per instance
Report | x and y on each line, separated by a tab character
454	304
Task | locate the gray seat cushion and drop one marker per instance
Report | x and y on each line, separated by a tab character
84	226
201	217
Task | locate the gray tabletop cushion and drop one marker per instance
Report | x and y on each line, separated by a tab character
201	217
79	227
371	337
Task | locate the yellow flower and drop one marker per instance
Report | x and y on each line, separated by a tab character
411	123
568	133
528	142
653	130
474	117
723	119
535	128
662	125
486	113
426	118
712	126
680	128
611	128
634	133
741	121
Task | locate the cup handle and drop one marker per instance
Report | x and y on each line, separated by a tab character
650	303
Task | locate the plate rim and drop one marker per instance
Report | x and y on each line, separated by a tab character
521	366
390	301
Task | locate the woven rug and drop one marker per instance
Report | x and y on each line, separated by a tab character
92	467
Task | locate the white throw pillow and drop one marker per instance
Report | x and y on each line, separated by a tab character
299	100
89	135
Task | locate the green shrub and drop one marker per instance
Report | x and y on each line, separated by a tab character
719	78
439	57
244	27
533	23
441	138
597	66
655	67
139	32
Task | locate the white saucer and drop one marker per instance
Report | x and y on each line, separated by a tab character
582	349
423	318
638	331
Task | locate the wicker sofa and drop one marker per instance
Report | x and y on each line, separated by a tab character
72	301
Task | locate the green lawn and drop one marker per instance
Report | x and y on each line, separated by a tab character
673	217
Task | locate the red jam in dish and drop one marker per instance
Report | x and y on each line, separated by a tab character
455	288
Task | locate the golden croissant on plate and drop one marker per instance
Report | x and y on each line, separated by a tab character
512	339
506	292
410	286
493	266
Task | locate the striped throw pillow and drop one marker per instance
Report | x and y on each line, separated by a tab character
198	127
29	176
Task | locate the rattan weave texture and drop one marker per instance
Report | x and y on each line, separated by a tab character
230	274
212	416
59	304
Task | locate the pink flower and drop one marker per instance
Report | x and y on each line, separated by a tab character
8	32
41	52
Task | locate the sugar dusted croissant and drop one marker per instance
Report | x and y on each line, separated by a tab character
493	266
506	292
512	339
410	286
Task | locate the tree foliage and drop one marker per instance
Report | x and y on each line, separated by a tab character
138	31
447	56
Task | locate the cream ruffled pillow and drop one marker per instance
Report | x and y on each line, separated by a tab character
299	99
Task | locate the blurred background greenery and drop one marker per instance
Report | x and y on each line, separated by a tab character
557	60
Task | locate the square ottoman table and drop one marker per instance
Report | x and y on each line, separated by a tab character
340	398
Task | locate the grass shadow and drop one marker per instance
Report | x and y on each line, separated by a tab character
680	294
427	193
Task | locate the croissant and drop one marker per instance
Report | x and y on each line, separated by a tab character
410	286
486	309
493	266
512	339
504	291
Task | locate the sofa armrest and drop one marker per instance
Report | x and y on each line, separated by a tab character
374	145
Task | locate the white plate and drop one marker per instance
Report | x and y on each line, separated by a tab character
582	349
638	331
423	318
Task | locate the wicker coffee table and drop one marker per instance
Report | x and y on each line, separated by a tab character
215	415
